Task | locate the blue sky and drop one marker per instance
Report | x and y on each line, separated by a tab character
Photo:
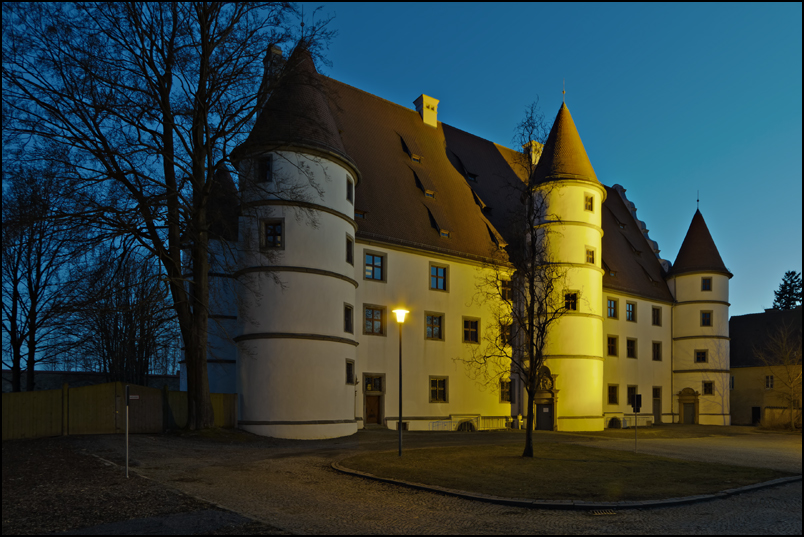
669	99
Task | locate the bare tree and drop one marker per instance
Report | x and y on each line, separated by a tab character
147	98
523	284
781	355
37	248
121	318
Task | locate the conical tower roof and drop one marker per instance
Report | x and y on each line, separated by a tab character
297	113
698	251
564	156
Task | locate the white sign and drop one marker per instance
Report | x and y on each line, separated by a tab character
130	397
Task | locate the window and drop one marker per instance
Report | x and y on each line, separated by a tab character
631	348
350	251
612	346
768	382
271	236
589	202
471	177
375	265
590	256
375	321
630	312
657	351
350	372
348	319
614	394
360	214
611	310
373	384
438	278
429	194
571	301
706	284
444	234
350	190
471	329
706	318
708	388
632	392
265	170
435	326
506	334
507	290
505	391
438	389
701	356
657	316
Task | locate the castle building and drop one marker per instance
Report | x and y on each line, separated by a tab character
351	206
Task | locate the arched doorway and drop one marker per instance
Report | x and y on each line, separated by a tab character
688	406
544	401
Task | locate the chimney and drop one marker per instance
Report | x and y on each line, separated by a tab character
427	107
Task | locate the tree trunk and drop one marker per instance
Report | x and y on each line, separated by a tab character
529	430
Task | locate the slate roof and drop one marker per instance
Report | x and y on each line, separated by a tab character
698	251
748	332
476	183
563	155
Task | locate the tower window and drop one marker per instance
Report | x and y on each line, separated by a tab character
571	301
706	284
350	190
706	318
265	169
590	256
350	372
350	249
271	236
701	356
589	203
348	324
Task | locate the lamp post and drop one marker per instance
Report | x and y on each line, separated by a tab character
400	318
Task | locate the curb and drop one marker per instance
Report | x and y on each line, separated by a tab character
569	504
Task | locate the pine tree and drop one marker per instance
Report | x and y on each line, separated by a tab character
788	296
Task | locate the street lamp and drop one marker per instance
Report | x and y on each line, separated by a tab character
400	318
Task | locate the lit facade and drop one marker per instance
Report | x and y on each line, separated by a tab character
391	208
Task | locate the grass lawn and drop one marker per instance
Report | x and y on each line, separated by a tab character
558	472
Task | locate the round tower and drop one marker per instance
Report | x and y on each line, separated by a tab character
297	348
572	198
699	281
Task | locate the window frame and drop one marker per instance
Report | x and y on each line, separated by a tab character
656	320
616	339
711	320
706	283
507	390
265	169
616	303
350	189
656	345
263	235
708	387
383	320
705	355
616	394
354	372
591	250
768	382
383	267
350	250
427	325
505	338
633	311
507	290
464	320
589	202
574	300
348	322
628	349
629	397
445	278
430	388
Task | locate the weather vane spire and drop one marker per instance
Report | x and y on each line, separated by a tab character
563	90
698	201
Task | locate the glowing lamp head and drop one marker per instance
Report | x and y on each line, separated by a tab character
400	315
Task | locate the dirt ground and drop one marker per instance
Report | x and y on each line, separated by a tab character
49	486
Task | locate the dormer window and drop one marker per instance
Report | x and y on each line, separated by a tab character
429	194
471	177
416	158
444	234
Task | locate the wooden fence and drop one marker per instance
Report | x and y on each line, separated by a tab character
101	409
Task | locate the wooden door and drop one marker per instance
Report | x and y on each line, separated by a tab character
373	409
544	417
689	413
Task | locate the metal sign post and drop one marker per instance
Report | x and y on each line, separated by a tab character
637	406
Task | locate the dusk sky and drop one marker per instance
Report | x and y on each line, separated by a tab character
669	100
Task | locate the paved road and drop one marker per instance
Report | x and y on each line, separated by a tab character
290	485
